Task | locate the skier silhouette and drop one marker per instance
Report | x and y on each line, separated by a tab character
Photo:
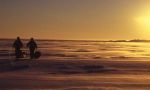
18	45
32	47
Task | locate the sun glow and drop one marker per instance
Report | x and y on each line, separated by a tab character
144	20
143	23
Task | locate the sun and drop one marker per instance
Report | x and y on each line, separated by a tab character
143	17
143	24
144	21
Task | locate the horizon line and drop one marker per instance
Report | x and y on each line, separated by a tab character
78	39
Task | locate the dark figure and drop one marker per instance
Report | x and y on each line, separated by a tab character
32	47
18	45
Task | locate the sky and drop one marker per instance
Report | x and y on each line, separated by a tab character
75	19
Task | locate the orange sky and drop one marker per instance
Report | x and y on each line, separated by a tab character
75	19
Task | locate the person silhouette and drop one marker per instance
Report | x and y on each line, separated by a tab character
32	47
18	45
